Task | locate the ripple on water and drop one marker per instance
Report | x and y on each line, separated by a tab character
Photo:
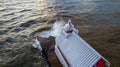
18	17
11	19
3	32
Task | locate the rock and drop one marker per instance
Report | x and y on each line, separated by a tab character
48	46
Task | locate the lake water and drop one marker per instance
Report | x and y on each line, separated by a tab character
14	12
22	17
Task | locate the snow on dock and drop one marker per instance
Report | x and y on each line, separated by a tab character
69	49
73	51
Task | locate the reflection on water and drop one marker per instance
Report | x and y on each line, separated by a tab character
22	17
25	16
16	11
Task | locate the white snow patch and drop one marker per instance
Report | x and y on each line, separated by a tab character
37	44
55	31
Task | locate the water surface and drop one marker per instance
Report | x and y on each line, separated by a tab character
22	17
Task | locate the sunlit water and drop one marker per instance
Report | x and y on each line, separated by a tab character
15	12
22	17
